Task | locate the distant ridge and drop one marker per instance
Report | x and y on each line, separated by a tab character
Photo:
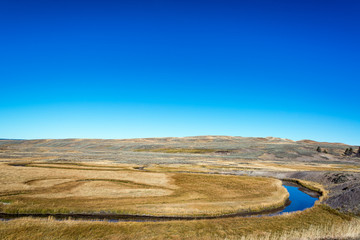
201	137
313	142
11	139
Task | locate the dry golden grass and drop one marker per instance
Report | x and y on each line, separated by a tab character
15	178
102	189
245	165
73	187
307	167
100	165
345	230
48	188
40	186
178	150
319	222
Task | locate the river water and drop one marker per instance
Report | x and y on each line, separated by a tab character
299	200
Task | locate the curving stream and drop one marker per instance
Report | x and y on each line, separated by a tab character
300	199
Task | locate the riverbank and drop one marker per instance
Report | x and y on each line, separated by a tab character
319	221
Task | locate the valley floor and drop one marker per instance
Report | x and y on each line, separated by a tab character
199	176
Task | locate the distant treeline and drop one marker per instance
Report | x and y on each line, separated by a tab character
348	151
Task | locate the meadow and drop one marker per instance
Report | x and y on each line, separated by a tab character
189	177
66	188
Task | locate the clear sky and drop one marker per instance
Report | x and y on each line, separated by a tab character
126	69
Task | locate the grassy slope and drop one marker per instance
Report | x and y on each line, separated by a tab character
134	151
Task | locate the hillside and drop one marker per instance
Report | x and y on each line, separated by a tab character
177	150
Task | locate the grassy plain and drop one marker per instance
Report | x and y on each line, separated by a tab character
174	177
51	188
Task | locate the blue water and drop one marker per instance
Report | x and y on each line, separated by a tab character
299	200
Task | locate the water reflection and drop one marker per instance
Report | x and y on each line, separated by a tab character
299	200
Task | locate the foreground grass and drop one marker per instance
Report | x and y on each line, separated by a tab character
319	222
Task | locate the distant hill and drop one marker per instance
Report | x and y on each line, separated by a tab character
180	150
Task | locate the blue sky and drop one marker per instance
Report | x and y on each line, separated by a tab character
126	69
